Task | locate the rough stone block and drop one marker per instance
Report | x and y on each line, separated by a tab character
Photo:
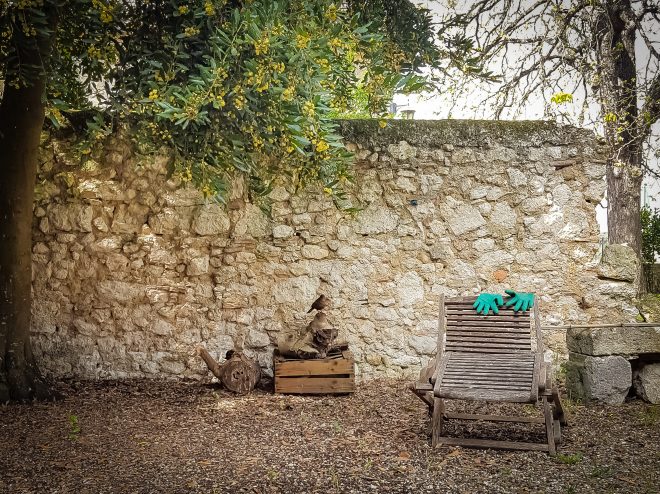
376	219
647	382
210	219
198	266
314	252
601	379
464	219
619	262
614	341
282	231
402	151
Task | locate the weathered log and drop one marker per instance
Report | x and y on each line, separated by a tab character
239	373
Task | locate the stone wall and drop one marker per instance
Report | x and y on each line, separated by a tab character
132	270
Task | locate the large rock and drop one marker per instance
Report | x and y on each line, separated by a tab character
411	289
376	219
619	262
402	151
647	383
252	223
211	219
614	341
463	219
601	379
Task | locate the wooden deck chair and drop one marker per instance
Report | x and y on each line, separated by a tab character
489	358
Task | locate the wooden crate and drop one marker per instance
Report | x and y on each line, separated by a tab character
332	375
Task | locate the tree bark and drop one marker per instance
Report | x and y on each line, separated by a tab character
616	50
21	122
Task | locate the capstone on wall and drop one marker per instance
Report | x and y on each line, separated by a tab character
132	270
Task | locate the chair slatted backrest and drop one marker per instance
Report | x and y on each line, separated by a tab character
467	331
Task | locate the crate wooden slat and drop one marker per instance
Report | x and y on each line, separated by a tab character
315	376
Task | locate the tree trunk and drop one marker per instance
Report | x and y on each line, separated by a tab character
616	51
21	122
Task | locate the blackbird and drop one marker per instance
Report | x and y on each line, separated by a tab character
320	303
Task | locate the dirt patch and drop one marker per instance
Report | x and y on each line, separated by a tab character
154	436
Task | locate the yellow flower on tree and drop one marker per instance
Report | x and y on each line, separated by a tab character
331	13
288	93
309	109
561	98
302	40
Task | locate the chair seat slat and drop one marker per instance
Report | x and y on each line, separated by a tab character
486	350
488	380
514	333
490	324
487	344
513	339
482	386
488	372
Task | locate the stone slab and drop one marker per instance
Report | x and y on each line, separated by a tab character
614	341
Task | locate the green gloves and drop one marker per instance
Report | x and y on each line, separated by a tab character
522	301
491	301
487	301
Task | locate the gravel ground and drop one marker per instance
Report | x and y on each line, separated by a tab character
152	436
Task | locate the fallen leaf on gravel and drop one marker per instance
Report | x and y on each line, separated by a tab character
404	455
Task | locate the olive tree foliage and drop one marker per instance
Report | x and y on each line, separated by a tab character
602	54
225	87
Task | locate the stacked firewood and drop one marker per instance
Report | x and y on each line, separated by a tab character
316	340
240	373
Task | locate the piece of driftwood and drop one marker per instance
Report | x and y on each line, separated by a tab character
313	342
239	373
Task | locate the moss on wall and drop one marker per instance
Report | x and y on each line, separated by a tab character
435	133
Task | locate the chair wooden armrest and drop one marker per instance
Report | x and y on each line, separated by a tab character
543	373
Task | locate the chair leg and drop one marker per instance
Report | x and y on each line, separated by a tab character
549	427
437	425
558	411
557	431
